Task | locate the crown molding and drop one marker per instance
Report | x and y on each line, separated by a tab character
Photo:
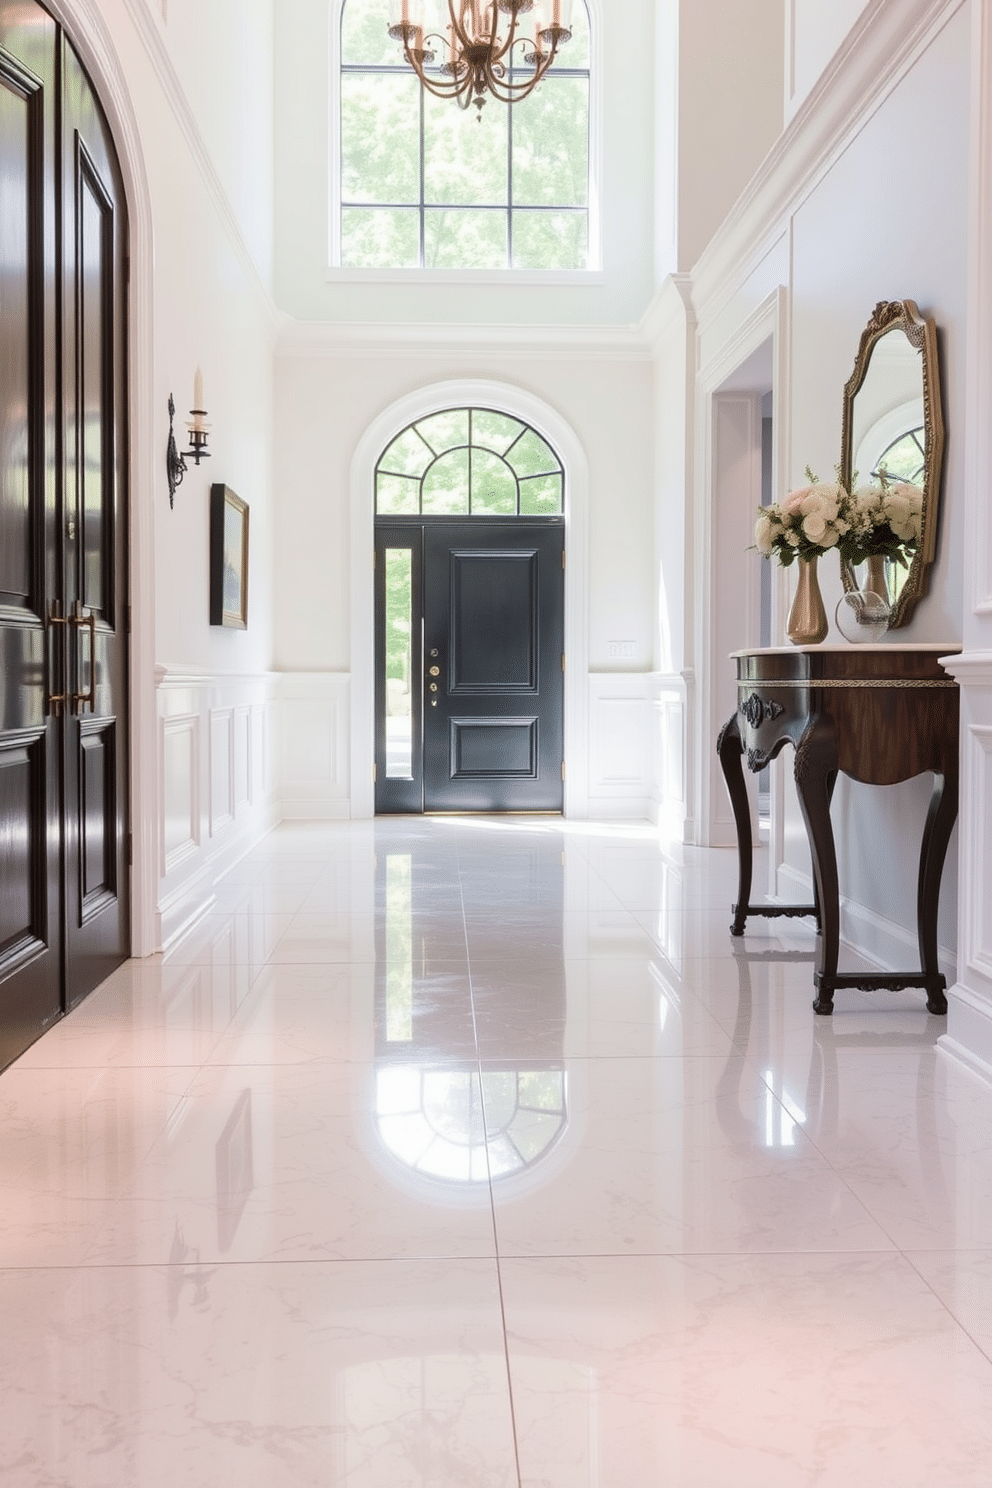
300	338
876	55
671	309
149	30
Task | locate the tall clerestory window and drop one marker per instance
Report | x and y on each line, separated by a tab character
425	184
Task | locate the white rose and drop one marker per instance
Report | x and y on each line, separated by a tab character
829	538
824	500
815	527
897	510
763	534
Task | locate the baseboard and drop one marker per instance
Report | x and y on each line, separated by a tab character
968	1040
186	906
890	946
307	808
620	808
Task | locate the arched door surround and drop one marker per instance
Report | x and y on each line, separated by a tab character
549	424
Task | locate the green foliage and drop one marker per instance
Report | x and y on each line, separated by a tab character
399	608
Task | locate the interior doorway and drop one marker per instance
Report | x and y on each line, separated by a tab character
64	868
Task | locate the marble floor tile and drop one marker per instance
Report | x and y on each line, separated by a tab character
460	1151
358	1374
783	1371
680	1155
310	1162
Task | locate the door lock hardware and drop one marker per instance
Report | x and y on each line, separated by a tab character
434	651
81	622
55	701
433	687
435	671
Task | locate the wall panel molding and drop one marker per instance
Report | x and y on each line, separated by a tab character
637	747
215	792
314	730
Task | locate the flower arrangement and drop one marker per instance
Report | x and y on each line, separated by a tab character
885	521
883	518
810	521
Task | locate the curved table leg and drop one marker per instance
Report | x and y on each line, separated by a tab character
730	750
816	774
936	835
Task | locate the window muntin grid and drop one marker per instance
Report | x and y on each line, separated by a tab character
905	458
469	462
423	184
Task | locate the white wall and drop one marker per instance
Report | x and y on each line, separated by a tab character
202	769
325	402
730	108
222	53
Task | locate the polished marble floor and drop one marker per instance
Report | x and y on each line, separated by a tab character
472	1153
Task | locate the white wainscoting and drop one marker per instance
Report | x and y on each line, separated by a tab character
969	1021
637	747
314	729
217	784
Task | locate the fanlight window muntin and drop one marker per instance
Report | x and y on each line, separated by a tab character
460	1126
424	185
469	462
904	459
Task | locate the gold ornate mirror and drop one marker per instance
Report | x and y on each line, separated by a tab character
893	425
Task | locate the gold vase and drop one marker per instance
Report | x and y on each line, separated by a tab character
807	619
876	580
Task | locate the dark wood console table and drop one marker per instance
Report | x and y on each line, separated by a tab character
880	714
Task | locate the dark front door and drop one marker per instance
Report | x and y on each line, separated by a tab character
63	615
470	708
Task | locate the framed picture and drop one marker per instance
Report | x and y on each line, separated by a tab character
228	558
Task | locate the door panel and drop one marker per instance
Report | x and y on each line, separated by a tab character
494	612
63	703
494	628
30	891
94	247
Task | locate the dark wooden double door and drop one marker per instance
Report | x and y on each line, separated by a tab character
469	665
64	882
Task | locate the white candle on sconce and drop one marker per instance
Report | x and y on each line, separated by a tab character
198	409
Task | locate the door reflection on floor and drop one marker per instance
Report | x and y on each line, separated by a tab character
455	1099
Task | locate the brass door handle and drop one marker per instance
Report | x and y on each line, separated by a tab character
54	701
83	622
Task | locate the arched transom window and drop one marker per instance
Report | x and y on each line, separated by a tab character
426	184
905	458
472	462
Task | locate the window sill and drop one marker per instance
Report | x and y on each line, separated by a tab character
511	278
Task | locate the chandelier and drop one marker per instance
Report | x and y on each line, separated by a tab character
465	49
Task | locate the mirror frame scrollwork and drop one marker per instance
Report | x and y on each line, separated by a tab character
921	332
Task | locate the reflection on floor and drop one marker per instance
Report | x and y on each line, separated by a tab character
472	1152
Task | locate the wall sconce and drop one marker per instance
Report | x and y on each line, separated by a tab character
198	434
